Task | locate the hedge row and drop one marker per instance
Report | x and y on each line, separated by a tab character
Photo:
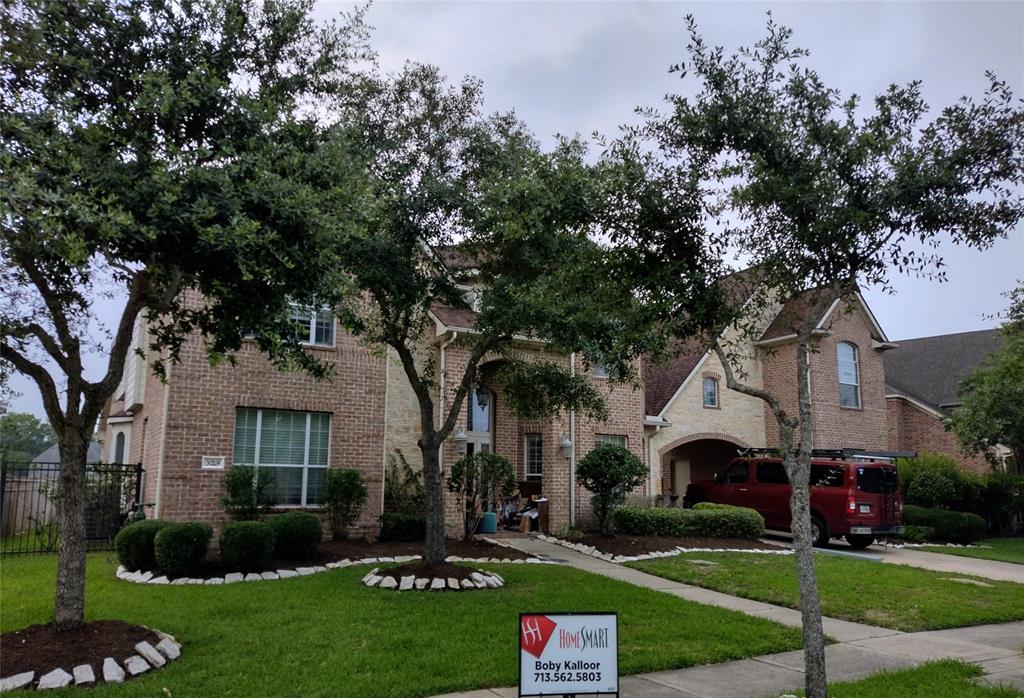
705	522
946	526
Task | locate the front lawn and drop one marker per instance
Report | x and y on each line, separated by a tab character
328	635
942	678
892	596
1000	549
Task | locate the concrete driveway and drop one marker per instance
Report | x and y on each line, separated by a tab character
915	557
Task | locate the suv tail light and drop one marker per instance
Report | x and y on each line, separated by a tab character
851	504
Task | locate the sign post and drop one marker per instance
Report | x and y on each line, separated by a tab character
568	654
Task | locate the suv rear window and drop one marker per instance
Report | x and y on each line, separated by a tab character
876	480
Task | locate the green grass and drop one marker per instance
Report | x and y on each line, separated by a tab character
947	678
1000	549
892	596
327	635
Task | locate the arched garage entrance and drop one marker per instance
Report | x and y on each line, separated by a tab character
695	457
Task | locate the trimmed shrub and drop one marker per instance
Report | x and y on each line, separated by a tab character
246	546
344	496
403	527
181	547
246	492
964	494
714	505
719	521
917	534
134	544
609	472
931	489
296	534
949	526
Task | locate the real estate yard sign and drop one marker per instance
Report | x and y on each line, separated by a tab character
568	654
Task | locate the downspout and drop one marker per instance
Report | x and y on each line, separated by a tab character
163	444
384	445
443	389
572	452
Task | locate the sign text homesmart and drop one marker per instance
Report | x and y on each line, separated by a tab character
568	653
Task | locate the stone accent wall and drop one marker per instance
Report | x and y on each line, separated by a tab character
834	426
912	428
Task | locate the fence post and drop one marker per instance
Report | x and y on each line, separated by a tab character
138	484
3	493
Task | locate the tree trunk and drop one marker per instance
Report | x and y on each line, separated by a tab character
433	489
69	607
800	508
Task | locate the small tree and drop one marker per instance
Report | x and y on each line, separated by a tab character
609	472
247	493
992	412
821	195
480	479
403	487
344	496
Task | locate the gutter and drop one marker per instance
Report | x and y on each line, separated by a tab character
572	452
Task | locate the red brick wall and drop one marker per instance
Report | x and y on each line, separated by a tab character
201	419
914	429
834	426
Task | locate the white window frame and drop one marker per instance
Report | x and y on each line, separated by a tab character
310	339
704	392
305	455
527	475
856	374
600	370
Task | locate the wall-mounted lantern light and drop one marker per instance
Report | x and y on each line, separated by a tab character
565	444
483	397
460	439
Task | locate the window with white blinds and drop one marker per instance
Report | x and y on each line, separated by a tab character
534	450
295	445
849	375
616	439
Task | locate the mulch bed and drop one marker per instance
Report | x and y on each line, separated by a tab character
422	569
43	648
330	551
641	545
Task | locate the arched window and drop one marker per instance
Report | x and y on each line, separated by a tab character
849	376
119	448
710	392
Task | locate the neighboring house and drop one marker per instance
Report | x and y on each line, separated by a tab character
696	425
922	379
52	454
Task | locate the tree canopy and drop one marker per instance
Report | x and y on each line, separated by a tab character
23	437
992	412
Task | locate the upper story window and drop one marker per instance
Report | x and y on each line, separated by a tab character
294	445
849	375
600	370
534	450
710	392
314	327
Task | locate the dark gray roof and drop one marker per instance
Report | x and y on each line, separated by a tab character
930	369
52	454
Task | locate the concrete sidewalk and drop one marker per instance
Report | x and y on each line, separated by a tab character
861	649
937	562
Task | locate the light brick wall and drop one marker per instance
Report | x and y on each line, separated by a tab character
914	429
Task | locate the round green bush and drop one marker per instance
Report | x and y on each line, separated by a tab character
134	544
180	548
246	546
948	526
296	534
931	489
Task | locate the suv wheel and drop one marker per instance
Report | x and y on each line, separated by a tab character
859	542
819	532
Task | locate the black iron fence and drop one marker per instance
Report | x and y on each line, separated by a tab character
29	496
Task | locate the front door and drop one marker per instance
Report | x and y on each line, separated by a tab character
680	475
480	421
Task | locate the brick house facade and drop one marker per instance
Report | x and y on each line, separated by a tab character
682	421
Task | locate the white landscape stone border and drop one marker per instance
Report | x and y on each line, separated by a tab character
148	657
608	557
140	577
478	580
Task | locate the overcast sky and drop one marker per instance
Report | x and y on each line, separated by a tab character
579	67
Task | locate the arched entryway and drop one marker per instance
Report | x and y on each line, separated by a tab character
695	457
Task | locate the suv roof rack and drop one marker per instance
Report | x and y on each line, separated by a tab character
835	453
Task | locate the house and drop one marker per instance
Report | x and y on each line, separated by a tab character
680	421
695	425
922	379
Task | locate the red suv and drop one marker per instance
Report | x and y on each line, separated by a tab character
855	499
